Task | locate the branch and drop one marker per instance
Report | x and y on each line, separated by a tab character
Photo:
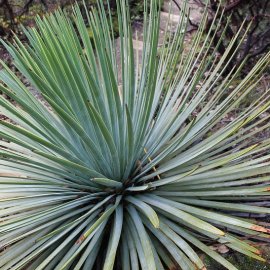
232	5
189	20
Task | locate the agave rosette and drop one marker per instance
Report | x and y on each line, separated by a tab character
130	171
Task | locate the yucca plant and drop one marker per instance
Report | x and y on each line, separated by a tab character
137	169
